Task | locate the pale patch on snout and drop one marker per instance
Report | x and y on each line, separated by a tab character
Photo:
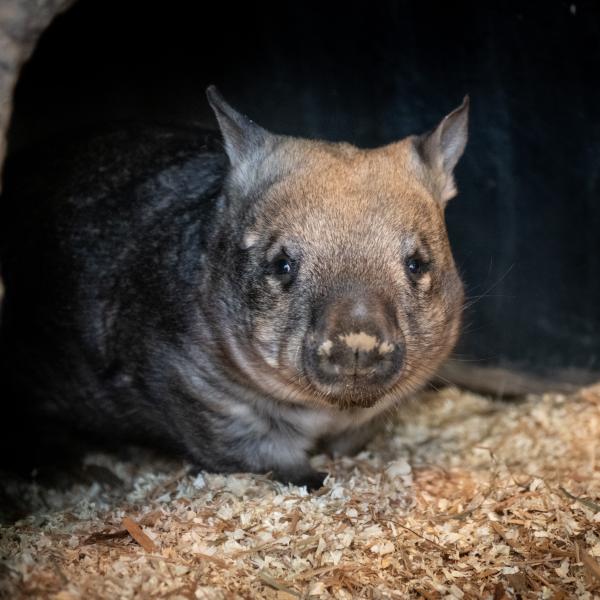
325	348
385	348
360	341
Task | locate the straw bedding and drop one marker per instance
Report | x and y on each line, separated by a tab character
461	496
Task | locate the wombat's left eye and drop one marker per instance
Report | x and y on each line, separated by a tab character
416	267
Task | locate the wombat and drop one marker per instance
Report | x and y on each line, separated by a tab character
242	307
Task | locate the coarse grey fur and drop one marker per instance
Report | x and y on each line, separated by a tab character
142	300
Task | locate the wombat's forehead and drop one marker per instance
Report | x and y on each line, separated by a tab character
313	176
339	192
340	170
311	203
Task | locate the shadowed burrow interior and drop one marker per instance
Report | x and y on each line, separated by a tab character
524	226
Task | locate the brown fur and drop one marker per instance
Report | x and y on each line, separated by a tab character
352	215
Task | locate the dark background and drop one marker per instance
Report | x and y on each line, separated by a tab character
526	226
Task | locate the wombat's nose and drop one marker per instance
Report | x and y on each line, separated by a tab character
355	342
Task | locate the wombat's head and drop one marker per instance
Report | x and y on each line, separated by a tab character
342	286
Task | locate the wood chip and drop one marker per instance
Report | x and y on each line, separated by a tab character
294	522
272	582
104	536
590	563
135	531
587	503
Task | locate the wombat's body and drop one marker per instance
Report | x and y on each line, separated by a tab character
242	310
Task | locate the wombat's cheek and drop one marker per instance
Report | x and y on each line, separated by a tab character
265	344
433	339
449	314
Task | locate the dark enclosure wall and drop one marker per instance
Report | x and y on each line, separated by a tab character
525	227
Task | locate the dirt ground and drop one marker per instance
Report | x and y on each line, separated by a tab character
461	496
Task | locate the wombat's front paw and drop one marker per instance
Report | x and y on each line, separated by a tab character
349	442
313	480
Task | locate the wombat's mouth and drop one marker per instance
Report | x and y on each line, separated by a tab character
351	395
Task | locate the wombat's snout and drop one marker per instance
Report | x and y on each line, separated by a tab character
356	345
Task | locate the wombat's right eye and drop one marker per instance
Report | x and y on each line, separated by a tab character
284	268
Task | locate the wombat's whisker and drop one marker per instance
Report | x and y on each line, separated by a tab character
474	299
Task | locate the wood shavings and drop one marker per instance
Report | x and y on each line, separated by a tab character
460	497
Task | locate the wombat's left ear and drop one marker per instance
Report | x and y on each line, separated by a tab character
441	149
243	138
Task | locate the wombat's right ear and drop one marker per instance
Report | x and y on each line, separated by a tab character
242	137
